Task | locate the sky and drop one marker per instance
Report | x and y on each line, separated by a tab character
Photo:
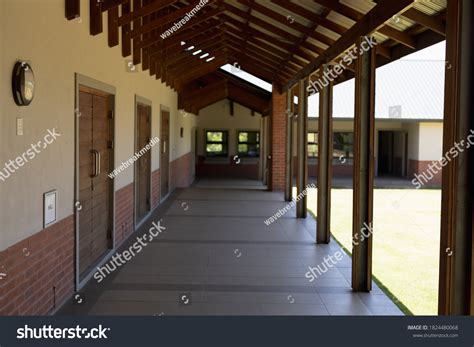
432	53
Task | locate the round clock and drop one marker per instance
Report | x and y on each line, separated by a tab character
23	83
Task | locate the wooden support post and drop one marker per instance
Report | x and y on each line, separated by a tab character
456	273
363	171
302	149
325	148
289	148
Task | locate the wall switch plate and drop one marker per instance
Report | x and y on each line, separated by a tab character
19	126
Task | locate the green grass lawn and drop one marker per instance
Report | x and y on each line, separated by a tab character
405	244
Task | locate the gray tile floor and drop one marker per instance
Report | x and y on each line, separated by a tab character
217	257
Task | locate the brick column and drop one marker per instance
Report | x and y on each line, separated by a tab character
278	140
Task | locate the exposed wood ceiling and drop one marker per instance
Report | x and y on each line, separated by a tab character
279	41
219	85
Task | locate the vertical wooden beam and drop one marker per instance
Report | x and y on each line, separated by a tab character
113	28
126	31
456	278
302	149
325	149
145	51
72	9
137	23
289	148
96	17
363	170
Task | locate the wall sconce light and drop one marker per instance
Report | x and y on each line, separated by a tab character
23	83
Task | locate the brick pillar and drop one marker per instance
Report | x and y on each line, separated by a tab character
278	140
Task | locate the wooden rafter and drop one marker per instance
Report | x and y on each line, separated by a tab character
368	24
259	36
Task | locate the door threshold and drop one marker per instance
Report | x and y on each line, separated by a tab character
144	219
86	279
163	199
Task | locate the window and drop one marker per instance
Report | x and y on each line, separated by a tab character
216	143
249	144
343	145
312	145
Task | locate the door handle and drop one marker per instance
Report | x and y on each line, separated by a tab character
96	155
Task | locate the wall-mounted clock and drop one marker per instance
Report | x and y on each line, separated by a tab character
23	83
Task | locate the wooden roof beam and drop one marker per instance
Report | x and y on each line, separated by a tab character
261	60
306	31
200	71
284	35
186	35
250	65
110	4
310	16
349	12
430	22
187	62
259	53
155	6
270	39
365	26
168	19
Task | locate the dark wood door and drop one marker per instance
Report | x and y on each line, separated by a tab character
95	215
143	164
165	153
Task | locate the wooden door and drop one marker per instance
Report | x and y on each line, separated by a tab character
95	216
143	164
165	153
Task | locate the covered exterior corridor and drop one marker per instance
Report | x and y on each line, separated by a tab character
217	251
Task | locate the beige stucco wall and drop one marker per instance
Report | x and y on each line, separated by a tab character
413	130
430	141
217	117
36	31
